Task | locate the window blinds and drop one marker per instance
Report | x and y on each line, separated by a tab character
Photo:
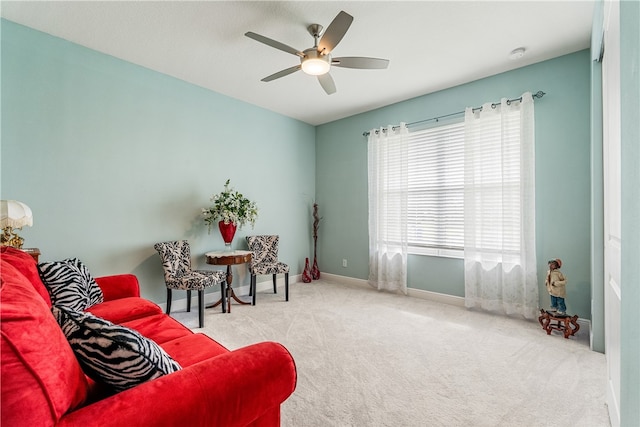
436	187
493	183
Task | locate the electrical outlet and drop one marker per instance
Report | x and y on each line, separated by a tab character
344	262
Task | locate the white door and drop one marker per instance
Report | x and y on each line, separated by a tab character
612	203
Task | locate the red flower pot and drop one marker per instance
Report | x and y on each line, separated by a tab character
228	231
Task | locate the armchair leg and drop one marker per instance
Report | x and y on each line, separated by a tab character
201	307
168	301
223	296
189	301
286	286
252	286
275	288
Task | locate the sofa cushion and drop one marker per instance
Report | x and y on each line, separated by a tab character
124	309
70	284
26	265
159	328
41	378
193	348
113	354
119	286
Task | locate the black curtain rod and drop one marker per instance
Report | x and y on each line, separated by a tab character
538	94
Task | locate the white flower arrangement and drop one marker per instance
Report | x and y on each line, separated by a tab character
230	206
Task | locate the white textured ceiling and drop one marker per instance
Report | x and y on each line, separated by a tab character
431	45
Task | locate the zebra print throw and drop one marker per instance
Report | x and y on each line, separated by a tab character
112	354
70	284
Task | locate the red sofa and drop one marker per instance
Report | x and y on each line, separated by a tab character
42	383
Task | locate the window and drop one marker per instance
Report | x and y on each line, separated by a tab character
436	190
495	188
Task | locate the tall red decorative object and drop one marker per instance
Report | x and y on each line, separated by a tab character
306	274
228	230
315	271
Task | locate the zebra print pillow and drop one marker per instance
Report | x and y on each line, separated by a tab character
112	354
70	284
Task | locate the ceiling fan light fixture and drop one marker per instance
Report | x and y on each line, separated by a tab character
314	63
315	66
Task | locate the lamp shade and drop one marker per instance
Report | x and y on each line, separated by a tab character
15	214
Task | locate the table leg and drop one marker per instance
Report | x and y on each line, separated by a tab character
227	294
223	291
230	291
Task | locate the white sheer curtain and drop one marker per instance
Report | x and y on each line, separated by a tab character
499	208
388	183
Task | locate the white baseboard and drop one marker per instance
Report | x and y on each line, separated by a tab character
345	280
180	304
412	292
436	297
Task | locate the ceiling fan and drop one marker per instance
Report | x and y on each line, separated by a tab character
317	60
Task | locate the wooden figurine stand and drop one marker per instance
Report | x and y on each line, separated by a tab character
568	325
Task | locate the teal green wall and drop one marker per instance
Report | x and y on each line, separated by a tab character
112	158
630	265
562	177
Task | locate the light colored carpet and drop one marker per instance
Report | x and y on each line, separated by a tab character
367	358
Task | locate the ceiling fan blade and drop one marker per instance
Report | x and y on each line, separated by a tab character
326	81
282	73
360	62
273	43
334	32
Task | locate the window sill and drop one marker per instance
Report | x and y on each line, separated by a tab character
437	252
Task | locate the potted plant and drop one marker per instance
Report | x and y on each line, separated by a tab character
230	209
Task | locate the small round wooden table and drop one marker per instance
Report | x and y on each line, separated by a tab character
228	258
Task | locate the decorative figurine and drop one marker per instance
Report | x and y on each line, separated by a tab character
556	286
